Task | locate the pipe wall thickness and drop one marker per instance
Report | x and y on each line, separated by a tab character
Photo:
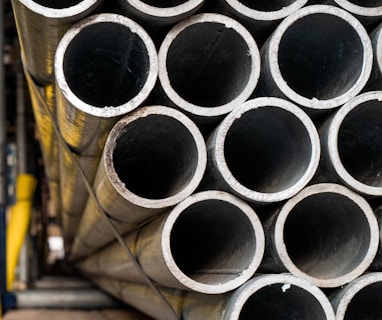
264	151
339	65
153	158
263	296
351	142
106	66
213	77
40	26
211	242
326	234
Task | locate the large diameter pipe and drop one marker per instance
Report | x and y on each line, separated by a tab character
326	234
264	151
213	77
212	242
40	26
153	158
351	142
375	80
263	297
106	66
319	57
360	299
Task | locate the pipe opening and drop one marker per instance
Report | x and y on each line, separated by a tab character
268	149
366	3
320	56
327	235
155	156
266	5
164	4
106	64
275	301
364	304
360	143
58	4
212	241
215	66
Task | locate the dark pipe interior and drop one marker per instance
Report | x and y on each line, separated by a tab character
106	64
268	149
326	235
367	3
156	156
266	5
213	241
61	4
164	3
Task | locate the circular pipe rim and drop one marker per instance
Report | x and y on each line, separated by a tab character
193	108
241	295
62	13
105	112
253	195
314	103
311	191
182	194
334	128
187	7
244	274
359	10
265	15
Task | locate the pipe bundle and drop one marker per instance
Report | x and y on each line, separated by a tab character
215	159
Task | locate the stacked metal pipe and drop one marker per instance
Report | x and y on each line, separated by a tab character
218	159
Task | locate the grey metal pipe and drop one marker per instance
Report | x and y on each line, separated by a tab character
326	234
106	66
264	296
351	142
319	57
40	26
153	158
215	76
212	242
360	299
375	79
264	151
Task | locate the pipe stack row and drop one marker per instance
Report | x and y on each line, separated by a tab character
215	159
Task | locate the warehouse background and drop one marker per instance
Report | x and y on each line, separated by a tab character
209	159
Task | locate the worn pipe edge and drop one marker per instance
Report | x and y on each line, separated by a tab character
356	258
243	81
359	299
353	127
282	116
363	9
85	117
375	79
212	242
274	80
46	21
258	296
117	189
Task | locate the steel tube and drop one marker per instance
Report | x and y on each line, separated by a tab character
264	151
106	66
211	242
352	143
153	158
263	296
213	77
326	234
339	63
359	299
375	80
40	26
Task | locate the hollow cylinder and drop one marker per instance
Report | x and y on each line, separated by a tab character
153	158
318	57
360	299
211	242
351	142
214	76
106	66
40	26
265	297
326	234
264	151
375	80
